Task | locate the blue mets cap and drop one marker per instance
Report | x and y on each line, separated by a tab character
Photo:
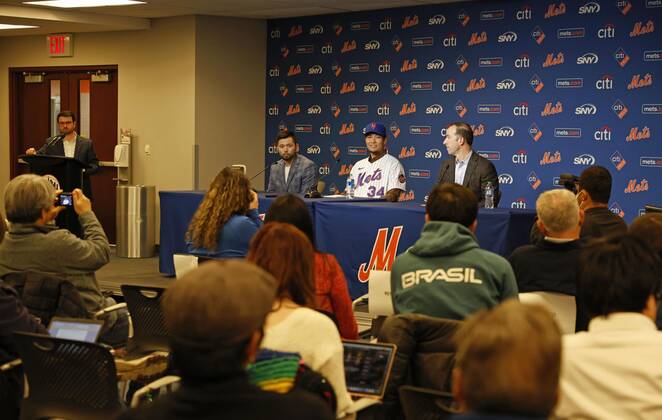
375	127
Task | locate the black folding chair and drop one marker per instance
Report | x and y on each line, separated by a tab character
149	332
67	379
425	404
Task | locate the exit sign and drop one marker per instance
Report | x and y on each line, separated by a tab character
60	45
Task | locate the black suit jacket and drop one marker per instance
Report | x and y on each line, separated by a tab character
479	172
83	152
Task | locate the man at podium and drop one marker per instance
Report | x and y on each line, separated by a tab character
68	143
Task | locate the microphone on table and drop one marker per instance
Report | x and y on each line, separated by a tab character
262	171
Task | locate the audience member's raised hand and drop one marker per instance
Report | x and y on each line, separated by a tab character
82	204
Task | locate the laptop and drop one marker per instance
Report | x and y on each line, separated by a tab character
367	370
78	329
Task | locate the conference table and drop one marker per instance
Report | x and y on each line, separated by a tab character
363	234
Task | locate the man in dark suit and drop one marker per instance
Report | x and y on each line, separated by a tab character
70	144
293	173
465	167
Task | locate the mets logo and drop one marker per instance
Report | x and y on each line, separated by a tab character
383	253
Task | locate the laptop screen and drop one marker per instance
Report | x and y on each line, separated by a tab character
75	329
367	367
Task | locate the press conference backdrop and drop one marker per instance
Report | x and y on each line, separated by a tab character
549	87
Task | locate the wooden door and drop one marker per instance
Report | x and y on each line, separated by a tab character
34	102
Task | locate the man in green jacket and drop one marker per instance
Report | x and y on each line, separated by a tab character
445	273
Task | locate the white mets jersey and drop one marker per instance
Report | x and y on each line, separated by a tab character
375	179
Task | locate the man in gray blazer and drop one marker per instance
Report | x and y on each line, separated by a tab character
466	167
293	173
70	144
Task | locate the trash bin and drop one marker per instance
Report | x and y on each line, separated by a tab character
135	221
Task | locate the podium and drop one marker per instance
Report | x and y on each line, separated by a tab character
68	173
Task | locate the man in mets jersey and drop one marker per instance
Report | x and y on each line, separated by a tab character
380	174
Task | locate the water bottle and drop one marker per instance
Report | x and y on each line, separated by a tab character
489	195
349	189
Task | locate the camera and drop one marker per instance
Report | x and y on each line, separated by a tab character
65	199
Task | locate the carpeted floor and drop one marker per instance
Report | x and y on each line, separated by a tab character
139	271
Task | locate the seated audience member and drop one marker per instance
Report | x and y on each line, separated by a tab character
213	344
445	273
226	219
552	264
330	284
13	317
648	228
35	244
293	325
613	371
507	363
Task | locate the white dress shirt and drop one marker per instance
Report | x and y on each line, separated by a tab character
461	168
613	371
69	147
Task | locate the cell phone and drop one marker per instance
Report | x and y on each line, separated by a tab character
65	199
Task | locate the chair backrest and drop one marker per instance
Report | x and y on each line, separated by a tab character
425	404
66	378
425	357
184	263
46	296
149	331
563	307
379	293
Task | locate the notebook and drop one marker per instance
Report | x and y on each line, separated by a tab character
367	367
75	329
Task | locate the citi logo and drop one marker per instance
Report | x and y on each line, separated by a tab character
315	70
607	31
642	29
520	157
384	109
589	8
385	67
553	60
554	10
449	41
433	154
313	150
293	109
621	57
273	110
396	87
348	46
373	45
538	35
294	70
619	108
523	62
509	36
602	134
549	158
327	48
586	109
525	13
324	169
534	180
316	30
436	64
639	82
273	150
397	44
463	17
550	109
519	204
274	71
346	129
636	135
505	131
295	30
584	160
434	109
347	87
408	65
274	34
588	58
506	84
605	83
371	88
395	130
505	179
386	25
477	39
449	86
521	110
314	110
325	89
408	108
437	20
325	129
410	21
475	85
462	63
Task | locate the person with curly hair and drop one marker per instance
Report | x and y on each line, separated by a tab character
227	218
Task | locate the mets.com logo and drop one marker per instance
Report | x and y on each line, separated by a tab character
383	253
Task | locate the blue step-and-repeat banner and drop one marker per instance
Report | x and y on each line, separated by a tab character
549	87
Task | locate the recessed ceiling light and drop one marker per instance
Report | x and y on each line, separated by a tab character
84	3
4	26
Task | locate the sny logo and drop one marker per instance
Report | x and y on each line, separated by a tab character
506	84
584	160
436	64
434	109
588	58
315	70
505	131
509	36
433	154
589	8
505	179
586	109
